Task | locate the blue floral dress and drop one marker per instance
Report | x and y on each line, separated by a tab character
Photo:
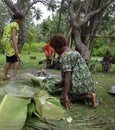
81	80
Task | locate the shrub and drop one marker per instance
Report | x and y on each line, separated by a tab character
99	51
100	47
34	47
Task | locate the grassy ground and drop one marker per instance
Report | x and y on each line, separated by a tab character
27	62
84	118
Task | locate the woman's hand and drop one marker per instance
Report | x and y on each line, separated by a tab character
67	102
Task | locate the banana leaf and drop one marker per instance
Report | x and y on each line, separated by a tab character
49	109
47	84
2	91
55	101
18	90
53	90
31	109
37	81
13	112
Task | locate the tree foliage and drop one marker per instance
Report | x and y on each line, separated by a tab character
49	26
24	6
85	18
106	28
3	17
78	20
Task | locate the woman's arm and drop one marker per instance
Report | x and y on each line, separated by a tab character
67	84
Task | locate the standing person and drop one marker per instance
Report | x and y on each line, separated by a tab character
106	62
76	78
9	42
48	54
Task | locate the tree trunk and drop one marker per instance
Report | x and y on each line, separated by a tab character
86	27
22	36
80	47
14	8
60	14
23	7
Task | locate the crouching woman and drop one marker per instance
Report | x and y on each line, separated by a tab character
76	78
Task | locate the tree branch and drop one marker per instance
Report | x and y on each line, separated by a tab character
72	15
34	2
10	5
89	15
92	13
1	29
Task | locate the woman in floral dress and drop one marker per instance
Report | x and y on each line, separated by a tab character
76	78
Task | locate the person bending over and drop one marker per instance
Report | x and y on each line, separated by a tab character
76	78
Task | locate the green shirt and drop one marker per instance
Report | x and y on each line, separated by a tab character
81	80
6	39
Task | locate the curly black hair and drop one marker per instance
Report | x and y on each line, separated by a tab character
58	41
17	16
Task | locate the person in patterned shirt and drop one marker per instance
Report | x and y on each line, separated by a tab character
76	78
9	43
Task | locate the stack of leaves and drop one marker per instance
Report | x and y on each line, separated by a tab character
47	84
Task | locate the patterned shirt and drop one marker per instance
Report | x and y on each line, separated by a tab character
81	80
6	39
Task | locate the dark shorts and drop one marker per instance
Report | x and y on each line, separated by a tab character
12	59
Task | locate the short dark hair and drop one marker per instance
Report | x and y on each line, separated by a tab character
17	16
58	41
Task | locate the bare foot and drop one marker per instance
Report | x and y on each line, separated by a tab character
94	99
7	78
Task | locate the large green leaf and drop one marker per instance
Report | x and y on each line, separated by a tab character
13	112
49	109
18	90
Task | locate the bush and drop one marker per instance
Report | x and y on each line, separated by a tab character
99	51
35	47
112	48
100	47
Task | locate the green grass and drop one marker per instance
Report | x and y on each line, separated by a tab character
96	58
27	62
84	118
